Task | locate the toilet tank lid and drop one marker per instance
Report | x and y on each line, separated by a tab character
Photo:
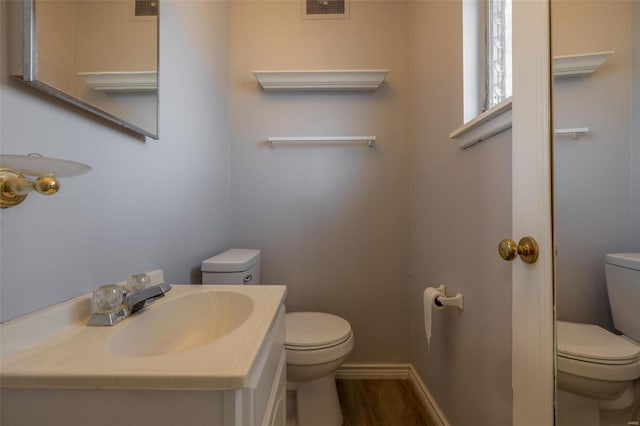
626	260
594	343
233	260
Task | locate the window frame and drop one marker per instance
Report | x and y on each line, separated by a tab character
480	122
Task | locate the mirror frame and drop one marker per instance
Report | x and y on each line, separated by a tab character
24	69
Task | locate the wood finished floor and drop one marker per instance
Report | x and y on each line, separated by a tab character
381	403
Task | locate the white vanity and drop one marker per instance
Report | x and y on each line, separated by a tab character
202	355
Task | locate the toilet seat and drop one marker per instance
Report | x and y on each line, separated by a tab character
296	356
316	338
591	343
590	351
594	370
315	330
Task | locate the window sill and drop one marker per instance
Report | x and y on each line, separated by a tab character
489	123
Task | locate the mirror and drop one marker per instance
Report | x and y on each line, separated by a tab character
596	115
100	55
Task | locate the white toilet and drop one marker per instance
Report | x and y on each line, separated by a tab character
316	343
598	371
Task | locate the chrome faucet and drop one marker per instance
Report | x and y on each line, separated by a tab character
136	301
130	303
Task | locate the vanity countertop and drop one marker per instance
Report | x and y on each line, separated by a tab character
54	348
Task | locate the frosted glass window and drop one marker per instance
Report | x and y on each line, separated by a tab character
499	52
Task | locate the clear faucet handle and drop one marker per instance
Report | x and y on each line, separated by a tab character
106	299
138	282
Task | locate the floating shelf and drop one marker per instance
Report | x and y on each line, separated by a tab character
321	80
119	81
578	65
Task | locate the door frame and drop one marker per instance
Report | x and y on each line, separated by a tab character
533	334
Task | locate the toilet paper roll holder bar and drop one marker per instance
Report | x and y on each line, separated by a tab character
457	300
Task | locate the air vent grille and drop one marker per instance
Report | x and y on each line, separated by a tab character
146	7
325	7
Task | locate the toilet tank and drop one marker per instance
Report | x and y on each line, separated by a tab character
234	267
622	272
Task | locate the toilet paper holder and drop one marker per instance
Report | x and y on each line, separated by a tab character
443	301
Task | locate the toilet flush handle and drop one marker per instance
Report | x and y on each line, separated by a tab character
527	248
247	279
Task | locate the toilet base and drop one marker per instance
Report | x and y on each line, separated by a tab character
579	410
317	402
574	410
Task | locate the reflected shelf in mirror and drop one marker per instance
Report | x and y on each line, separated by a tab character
575	133
580	65
122	81
55	44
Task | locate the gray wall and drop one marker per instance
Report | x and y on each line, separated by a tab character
146	204
460	209
592	181
332	221
635	132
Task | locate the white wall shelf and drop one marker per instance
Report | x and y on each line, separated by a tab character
578	65
273	140
321	80
122	81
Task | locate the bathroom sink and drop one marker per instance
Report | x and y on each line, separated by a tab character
203	354
182	324
204	337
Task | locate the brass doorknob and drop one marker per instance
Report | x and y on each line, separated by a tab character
527	248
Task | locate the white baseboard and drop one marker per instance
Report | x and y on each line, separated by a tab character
427	399
373	371
354	371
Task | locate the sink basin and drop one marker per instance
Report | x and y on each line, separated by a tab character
181	324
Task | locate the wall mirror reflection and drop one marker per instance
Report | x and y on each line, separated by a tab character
101	55
597	210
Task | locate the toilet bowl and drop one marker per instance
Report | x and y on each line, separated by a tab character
595	363
598	372
316	343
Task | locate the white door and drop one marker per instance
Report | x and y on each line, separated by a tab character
532	308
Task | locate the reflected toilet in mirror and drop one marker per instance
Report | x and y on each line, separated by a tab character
599	372
596	186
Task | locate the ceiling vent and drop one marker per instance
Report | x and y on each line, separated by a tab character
324	9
